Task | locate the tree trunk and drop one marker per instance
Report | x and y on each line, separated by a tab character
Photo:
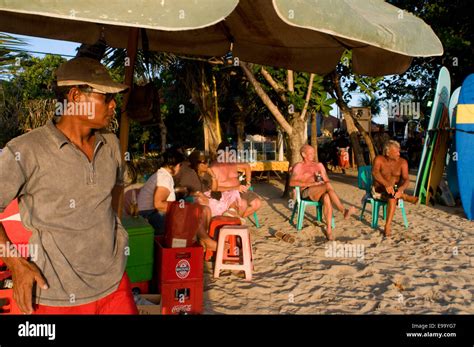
314	135
212	132
240	125
368	140
161	126
294	144
346	113
354	136
200	90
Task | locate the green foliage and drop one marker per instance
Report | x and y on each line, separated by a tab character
35	79
27	95
10	49
452	21
373	103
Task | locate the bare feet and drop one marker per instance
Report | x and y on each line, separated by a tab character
329	235
232	212
410	198
349	212
387	231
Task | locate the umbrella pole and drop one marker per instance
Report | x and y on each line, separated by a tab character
124	121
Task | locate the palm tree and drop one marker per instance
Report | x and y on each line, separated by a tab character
373	103
11	48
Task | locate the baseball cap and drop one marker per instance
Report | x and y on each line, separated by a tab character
80	71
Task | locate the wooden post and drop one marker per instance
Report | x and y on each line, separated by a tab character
131	57
124	122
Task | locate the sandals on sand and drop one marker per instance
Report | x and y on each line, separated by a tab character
285	237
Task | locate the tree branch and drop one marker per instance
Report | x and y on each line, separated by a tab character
337	89
266	99
308	96
290	81
275	85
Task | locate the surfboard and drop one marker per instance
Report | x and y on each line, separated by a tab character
441	99
438	160
465	144
451	171
445	196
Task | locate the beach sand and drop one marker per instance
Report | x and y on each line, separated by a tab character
427	269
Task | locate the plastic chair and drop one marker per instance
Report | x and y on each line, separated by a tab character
364	181
301	205
246	266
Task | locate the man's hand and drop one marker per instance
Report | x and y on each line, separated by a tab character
25	274
316	184
398	194
202	199
243	189
390	190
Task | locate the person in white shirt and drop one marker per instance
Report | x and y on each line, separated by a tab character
159	190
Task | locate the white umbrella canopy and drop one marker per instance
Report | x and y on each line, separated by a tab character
303	35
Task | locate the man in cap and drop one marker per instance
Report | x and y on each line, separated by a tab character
67	176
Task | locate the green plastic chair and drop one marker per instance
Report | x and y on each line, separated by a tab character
364	181
301	205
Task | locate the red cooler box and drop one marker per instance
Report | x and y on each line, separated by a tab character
179	278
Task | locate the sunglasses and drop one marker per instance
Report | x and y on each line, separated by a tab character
108	96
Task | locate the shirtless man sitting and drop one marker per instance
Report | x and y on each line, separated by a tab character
227	173
391	178
312	178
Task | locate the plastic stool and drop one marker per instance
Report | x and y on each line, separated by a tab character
246	266
214	226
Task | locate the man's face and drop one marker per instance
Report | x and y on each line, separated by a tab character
393	152
93	108
103	109
308	153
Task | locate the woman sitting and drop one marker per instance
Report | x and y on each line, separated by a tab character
158	191
227	203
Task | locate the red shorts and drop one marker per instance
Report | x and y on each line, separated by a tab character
119	302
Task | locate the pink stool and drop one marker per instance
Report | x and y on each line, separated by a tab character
246	266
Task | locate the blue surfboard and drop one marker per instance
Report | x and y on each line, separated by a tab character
465	145
452	170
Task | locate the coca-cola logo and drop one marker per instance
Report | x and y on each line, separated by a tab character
183	268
